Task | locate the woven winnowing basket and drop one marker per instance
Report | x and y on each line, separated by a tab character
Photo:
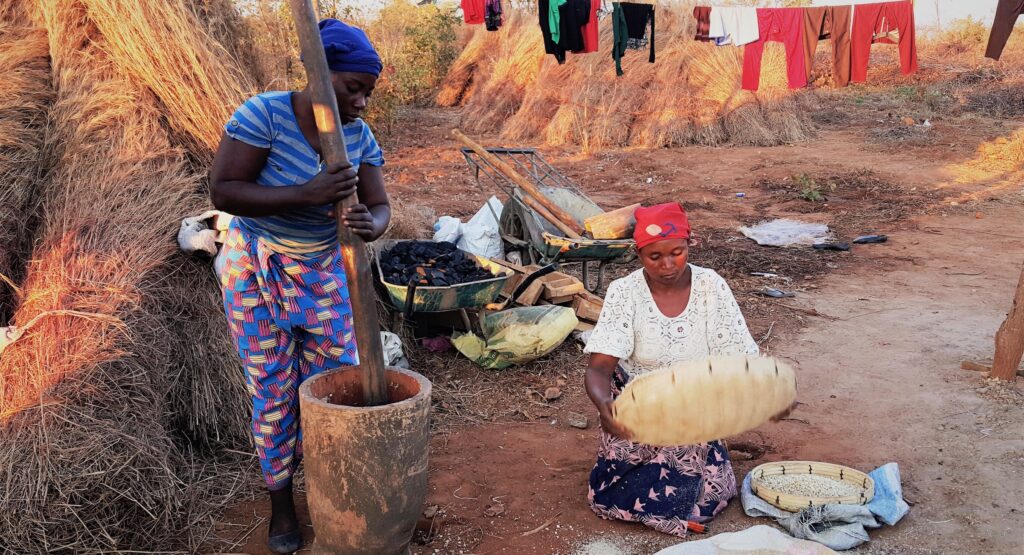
796	503
703	400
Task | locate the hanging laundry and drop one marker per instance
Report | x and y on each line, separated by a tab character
829	22
785	25
589	30
492	14
886	23
1006	17
562	24
473	11
629	29
733	25
703	16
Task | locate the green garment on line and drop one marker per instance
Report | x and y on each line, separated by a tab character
554	18
620	36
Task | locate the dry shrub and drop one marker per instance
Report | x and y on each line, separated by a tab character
998	102
93	430
691	95
25	97
410	220
162	45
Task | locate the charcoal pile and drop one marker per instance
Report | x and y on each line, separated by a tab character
434	264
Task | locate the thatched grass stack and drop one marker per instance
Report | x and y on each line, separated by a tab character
121	373
25	96
691	95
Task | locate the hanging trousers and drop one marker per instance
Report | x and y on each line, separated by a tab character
1006	17
703	16
785	25
876	23
829	22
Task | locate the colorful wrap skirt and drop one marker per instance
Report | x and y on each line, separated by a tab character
291	319
661	487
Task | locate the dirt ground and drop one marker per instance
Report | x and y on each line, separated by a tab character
878	368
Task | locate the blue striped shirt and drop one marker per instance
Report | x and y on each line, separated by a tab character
268	121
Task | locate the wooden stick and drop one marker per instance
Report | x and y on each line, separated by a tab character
1010	338
362	297
547	215
521	182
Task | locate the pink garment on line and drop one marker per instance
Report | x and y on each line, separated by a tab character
875	23
785	25
473	12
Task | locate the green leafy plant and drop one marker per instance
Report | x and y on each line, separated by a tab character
810	189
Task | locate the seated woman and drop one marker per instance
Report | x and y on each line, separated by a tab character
667	312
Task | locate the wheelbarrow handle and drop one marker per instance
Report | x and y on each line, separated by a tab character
410	296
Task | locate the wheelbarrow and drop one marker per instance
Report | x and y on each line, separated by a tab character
531	237
403	301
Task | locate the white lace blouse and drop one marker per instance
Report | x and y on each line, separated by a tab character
633	329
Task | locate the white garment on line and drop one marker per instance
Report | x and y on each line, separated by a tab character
733	25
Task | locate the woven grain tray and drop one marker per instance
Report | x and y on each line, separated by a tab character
796	503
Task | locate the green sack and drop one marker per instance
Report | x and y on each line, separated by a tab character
517	335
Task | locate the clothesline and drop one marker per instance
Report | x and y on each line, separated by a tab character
571	26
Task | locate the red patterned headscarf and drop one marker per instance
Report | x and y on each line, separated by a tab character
657	223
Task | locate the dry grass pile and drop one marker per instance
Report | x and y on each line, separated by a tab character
162	45
691	95
25	97
121	383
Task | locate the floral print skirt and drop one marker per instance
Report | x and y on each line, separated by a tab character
661	487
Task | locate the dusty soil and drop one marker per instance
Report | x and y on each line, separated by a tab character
879	368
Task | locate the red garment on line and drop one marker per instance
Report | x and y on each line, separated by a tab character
872	23
473	11
785	25
590	29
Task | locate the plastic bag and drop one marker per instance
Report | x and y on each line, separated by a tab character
393	354
757	540
786	233
447	229
481	235
517	335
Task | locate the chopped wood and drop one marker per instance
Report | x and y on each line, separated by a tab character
561	286
587	306
584	326
617	224
567	299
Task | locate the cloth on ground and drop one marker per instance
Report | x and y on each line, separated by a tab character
734	25
885	23
473	11
829	22
839	527
1007	12
786	233
629	30
492	15
762	540
783	25
703	16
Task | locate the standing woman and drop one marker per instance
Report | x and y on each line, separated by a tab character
667	312
285	290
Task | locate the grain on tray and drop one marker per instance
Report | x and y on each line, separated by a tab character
810	485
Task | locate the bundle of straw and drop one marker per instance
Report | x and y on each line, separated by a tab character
114	385
691	95
25	97
161	45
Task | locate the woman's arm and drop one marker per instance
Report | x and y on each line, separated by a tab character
598	381
233	186
370	218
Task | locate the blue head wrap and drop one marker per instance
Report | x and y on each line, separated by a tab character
348	48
